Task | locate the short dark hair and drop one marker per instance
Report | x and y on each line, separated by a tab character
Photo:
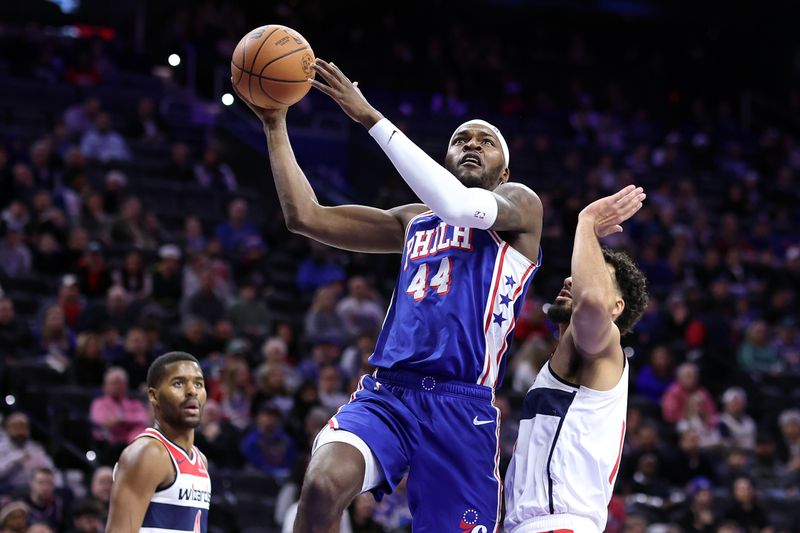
632	286
159	367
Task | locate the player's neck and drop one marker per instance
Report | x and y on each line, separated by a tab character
184	438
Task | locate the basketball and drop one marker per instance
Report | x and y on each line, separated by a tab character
271	65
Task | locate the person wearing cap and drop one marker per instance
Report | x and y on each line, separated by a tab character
698	513
14	517
469	253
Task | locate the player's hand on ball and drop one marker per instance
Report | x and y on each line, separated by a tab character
265	115
608	213
345	93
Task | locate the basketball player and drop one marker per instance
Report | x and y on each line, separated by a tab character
573	418
468	257
161	482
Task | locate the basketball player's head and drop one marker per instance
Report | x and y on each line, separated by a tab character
630	298
478	155
177	390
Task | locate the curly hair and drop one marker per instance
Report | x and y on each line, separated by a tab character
632	286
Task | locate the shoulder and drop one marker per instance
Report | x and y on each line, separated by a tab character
520	193
405	213
143	451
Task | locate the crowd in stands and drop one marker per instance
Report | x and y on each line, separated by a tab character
713	431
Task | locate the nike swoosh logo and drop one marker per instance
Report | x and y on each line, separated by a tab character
390	137
181	461
477	422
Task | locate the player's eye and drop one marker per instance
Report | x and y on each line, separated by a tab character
199	384
489	142
459	141
177	383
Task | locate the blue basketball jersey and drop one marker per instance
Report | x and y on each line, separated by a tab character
455	303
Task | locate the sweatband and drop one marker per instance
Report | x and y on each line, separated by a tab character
455	204
494	129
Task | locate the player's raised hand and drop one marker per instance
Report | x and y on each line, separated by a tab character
607	214
267	116
345	93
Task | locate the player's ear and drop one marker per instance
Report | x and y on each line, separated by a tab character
505	175
151	395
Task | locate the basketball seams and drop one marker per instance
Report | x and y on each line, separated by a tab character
260	46
306	47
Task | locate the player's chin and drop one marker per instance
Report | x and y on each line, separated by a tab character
191	422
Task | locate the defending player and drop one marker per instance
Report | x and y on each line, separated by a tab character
468	257
161	482
570	439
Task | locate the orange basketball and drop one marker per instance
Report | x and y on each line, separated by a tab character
271	66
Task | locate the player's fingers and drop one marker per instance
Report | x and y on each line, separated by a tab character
321	86
622	192
330	71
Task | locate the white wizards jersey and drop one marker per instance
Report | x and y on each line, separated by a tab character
567	455
183	506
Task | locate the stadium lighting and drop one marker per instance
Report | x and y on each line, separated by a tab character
10	400
91	456
227	99
174	60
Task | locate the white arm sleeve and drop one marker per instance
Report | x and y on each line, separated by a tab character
454	203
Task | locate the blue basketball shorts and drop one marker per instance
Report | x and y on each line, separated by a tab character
445	435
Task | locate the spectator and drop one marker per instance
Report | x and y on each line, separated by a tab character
249	314
15	258
100	489
116	310
48	258
736	427
787	345
165	279
147	125
103	143
306	398
44	504
132	277
361	515
271	387
211	173
20	456
14	517
94	219
756	354
116	417
94	276
745	509
655	378
129	228
234	232
324	352
218	438
322	321
194	339
789	422
88	516
234	392
736	465
90	366
330	387
204	303
180	167
699	515
80	118
691	460
194	240
56	341
15	335
137	358
267	447
355	358
318	270
359	310
675	403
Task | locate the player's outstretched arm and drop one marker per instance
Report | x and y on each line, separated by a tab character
142	467
349	227
594	293
510	207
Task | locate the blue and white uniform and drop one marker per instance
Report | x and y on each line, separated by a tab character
428	409
182	507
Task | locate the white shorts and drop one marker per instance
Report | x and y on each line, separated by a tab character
373	474
539	524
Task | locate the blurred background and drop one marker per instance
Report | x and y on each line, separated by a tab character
138	216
